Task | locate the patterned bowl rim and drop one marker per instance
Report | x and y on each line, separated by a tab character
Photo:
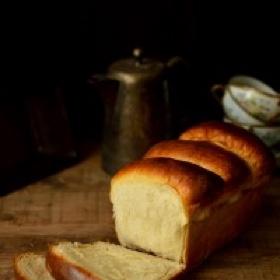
258	91
271	121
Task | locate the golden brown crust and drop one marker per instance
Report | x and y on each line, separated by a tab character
207	236
194	184
227	165
240	142
18	275
61	269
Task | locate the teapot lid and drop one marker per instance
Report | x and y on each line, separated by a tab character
136	68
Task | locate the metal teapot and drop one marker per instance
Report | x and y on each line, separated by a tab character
140	114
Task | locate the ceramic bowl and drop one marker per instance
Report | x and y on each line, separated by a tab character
270	135
235	112
256	98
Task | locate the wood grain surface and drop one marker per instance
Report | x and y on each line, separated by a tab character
74	205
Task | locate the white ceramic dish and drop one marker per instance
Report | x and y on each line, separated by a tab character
255	97
235	112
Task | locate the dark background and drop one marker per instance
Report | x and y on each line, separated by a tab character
48	48
45	43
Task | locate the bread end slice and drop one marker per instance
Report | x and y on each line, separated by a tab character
30	266
105	261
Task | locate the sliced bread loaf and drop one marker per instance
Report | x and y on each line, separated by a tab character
187	198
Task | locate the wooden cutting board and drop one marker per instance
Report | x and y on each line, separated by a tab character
74	205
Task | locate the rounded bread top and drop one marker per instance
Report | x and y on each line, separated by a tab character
238	141
193	183
233	170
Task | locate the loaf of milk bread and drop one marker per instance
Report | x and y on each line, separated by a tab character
186	198
178	204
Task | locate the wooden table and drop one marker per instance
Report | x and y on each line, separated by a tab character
74	205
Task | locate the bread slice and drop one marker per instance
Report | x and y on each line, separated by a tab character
30	266
105	261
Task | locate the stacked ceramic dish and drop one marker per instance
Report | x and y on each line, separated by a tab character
253	105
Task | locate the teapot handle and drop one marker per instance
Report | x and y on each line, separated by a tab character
217	91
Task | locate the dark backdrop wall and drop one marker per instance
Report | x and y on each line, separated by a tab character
218	38
57	40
